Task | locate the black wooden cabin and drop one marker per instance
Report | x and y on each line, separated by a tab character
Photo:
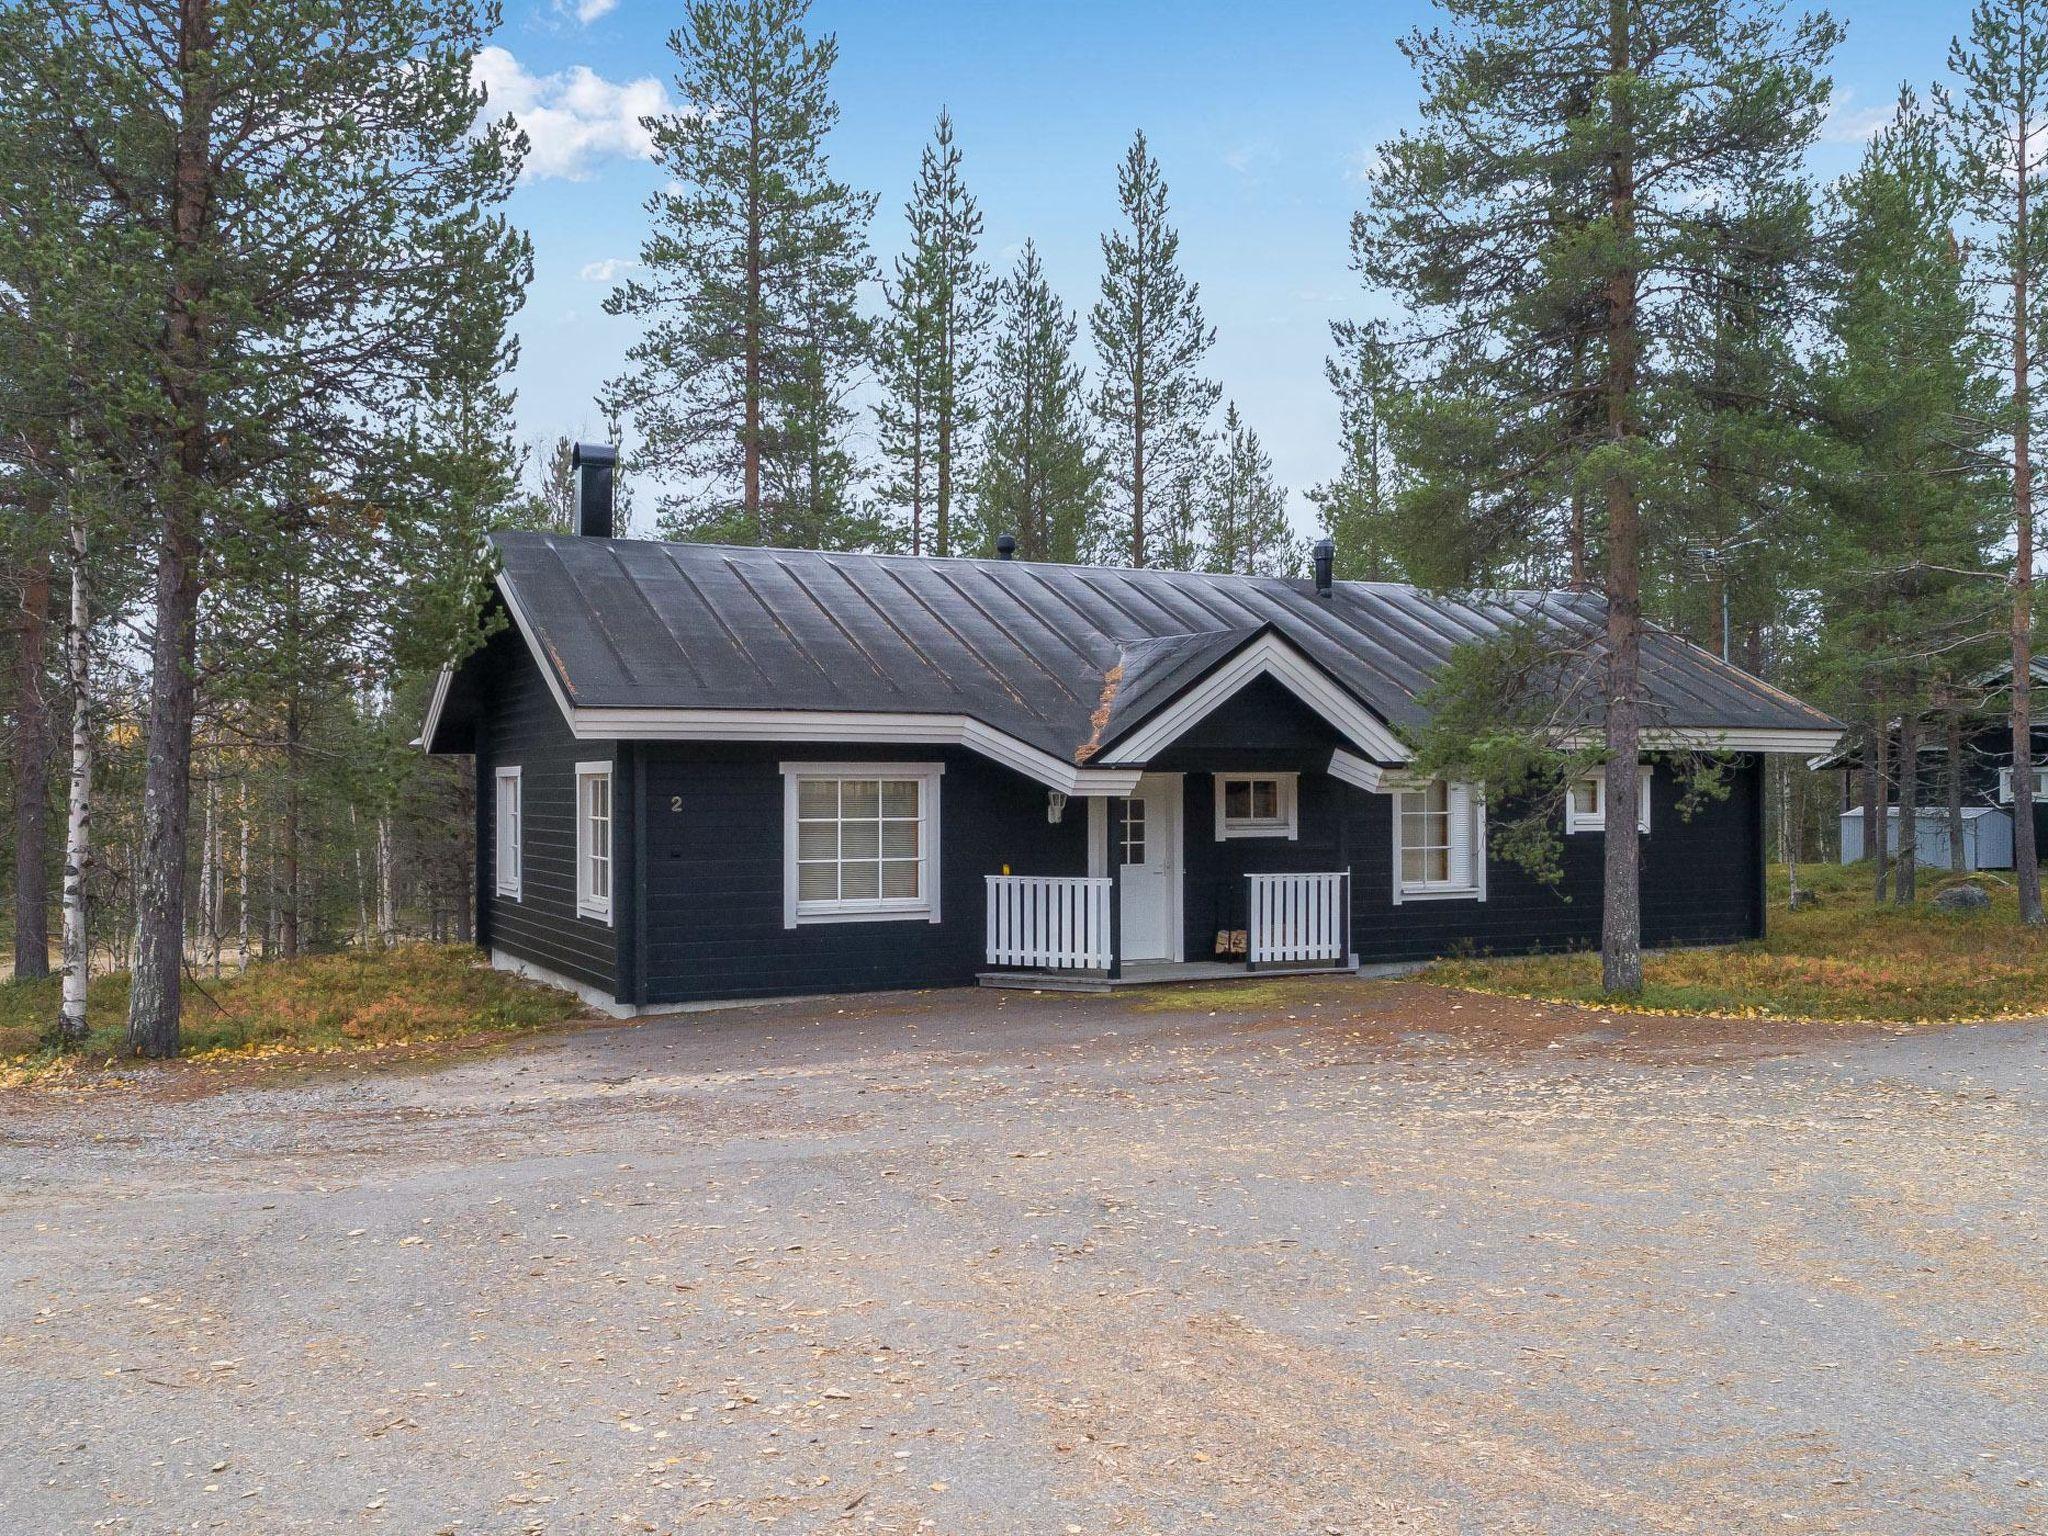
709	773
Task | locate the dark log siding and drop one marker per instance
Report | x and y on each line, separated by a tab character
1702	882
521	726
698	858
714	875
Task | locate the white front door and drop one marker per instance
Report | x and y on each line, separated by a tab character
1149	853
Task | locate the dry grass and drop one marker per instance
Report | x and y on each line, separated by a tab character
1845	960
407	995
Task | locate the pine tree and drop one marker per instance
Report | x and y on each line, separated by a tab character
1551	227
1993	123
1247	509
1040	478
1150	335
1179	542
283	209
940	308
1357	505
738	383
1905	394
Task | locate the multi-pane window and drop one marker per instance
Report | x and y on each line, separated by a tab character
507	823
862	842
1440	832
1255	805
1134	832
594	840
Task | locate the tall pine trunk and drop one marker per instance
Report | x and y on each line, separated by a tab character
1904	874
32	763
156	992
1621	932
1957	854
1881	851
294	772
2026	862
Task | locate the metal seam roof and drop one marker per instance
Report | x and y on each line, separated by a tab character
1022	646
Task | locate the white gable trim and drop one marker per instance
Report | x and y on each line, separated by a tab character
1268	656
821	725
425	740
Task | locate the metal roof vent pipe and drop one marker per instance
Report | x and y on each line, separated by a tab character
1006	546
1326	560
592	465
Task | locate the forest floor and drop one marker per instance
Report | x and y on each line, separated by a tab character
1305	1256
378	1000
1845	959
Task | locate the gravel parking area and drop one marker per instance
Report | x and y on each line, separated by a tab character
1310	1257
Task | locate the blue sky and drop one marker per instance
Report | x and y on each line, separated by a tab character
1262	117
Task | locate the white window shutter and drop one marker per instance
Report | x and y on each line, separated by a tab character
1459	803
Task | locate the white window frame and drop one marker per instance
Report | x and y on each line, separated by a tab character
922	908
509	833
1286	823
1465	803
2005	783
590	902
1576	820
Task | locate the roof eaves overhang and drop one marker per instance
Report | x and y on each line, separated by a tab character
1266	654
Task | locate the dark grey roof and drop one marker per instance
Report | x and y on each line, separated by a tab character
1023	647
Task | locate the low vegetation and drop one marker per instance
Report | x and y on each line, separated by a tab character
356	999
1843	959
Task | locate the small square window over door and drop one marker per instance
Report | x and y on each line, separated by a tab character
1256	805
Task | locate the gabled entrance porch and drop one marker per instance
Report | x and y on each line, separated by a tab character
1122	924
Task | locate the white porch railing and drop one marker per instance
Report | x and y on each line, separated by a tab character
1048	922
1297	918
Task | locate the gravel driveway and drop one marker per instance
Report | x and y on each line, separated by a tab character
1355	1257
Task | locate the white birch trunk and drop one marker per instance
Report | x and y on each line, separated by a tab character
387	880
355	838
78	825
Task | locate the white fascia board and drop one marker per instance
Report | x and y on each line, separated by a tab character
826	725
1349	768
1268	656
425	740
1767	739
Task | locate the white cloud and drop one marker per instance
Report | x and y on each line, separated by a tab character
606	271
572	117
588	11
1847	123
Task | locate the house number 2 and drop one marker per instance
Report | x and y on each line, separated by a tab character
675	802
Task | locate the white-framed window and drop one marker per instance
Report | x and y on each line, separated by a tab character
594	841
860	842
1586	810
2005	784
1439	842
1256	805
508	823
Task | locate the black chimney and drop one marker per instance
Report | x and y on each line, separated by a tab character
1326	557
592	464
1006	546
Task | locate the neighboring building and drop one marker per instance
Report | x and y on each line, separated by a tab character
1983	762
712	773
